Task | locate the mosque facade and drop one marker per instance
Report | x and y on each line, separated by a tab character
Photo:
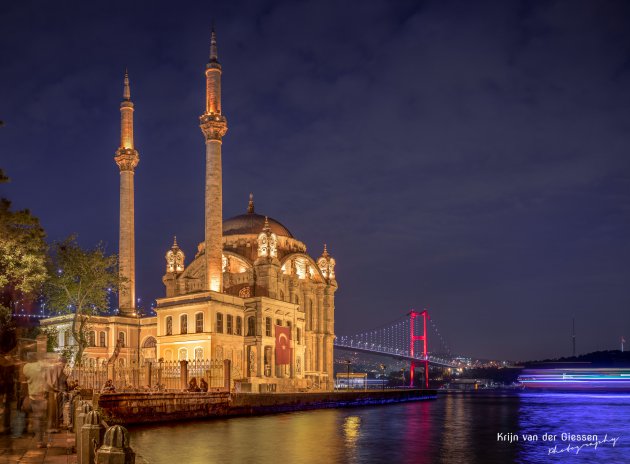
251	294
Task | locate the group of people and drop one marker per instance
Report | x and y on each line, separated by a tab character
193	387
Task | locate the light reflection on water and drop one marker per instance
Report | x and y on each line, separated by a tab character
557	413
453	429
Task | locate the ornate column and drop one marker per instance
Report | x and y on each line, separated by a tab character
127	159
214	126
326	264
319	310
320	352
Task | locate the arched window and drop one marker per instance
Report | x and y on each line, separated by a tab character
229	324
102	340
121	338
92	338
251	326
149	343
219	323
297	300
268	326
182	354
239	325
198	353
168	355
183	323
169	325
309	316
199	322
281	295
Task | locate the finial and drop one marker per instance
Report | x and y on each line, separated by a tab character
126	91
175	242
266	227
250	207
214	57
325	253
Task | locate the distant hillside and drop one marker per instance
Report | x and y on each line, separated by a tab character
613	358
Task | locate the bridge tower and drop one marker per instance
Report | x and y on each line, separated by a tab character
413	314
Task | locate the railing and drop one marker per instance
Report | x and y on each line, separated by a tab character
163	376
211	370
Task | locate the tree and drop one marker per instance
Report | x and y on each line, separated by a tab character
22	263
22	248
80	283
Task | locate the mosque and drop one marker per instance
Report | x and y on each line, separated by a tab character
251	294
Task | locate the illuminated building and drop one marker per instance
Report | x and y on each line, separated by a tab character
249	281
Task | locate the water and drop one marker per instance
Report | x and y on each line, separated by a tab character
453	429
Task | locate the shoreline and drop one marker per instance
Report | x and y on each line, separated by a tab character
152	408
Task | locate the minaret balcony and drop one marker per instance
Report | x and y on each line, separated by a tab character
213	126
127	158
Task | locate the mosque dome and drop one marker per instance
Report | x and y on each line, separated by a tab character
252	223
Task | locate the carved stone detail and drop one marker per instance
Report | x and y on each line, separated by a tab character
213	126
326	264
127	159
245	292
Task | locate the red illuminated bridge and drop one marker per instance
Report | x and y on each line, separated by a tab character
405	338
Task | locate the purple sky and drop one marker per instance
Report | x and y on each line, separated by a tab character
470	157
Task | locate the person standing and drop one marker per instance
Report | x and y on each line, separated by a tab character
34	371
56	386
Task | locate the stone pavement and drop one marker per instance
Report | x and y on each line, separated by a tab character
59	449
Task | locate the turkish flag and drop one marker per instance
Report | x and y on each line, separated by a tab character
283	345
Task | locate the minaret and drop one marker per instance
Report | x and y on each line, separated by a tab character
127	159
214	126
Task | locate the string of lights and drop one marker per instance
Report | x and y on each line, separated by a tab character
395	337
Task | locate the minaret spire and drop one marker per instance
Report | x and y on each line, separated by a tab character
127	159
213	78
214	126
126	89
250	206
214	56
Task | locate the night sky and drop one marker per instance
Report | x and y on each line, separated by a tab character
468	157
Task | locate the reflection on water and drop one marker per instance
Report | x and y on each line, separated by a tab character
577	414
453	429
352	431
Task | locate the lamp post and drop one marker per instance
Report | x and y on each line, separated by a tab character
383	375
347	362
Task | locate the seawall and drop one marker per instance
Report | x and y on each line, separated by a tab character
143	408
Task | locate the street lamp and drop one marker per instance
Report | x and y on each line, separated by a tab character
347	362
383	375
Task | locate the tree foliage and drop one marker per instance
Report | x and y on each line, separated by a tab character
22	249
80	283
22	264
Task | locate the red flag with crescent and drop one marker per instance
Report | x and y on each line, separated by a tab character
283	345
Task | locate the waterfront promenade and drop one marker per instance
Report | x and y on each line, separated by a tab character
59	449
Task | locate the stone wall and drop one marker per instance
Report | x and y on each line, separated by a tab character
141	408
138	408
266	403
